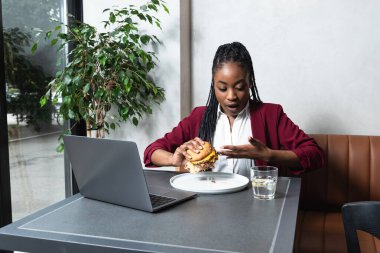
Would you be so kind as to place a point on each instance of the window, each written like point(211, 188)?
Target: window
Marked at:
point(36, 169)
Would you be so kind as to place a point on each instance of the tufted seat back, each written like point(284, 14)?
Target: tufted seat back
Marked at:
point(351, 173)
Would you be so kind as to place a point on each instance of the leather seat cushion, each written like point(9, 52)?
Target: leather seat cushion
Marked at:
point(324, 232)
point(320, 232)
point(368, 243)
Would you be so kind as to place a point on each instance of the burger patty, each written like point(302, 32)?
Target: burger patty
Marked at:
point(211, 158)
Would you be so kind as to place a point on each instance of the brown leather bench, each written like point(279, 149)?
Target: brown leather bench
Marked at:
point(351, 173)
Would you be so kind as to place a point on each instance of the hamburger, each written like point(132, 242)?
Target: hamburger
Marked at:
point(202, 161)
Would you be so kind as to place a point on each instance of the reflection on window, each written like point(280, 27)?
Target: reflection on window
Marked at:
point(37, 173)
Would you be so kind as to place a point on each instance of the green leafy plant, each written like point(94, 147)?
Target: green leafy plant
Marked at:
point(107, 69)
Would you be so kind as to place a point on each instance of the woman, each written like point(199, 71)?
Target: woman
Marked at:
point(244, 129)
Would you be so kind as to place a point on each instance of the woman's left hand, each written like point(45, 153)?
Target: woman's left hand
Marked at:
point(255, 150)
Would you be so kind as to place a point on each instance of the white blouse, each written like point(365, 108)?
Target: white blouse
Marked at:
point(239, 134)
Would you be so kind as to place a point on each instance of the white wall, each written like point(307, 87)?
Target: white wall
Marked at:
point(319, 59)
point(167, 75)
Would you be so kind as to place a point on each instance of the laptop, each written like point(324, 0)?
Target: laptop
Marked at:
point(111, 171)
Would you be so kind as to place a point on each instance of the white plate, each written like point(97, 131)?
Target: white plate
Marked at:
point(209, 182)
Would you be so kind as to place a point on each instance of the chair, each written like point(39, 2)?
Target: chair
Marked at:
point(363, 216)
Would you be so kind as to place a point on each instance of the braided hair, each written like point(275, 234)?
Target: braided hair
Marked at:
point(234, 52)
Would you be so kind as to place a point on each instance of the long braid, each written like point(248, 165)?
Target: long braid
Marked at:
point(208, 124)
point(231, 52)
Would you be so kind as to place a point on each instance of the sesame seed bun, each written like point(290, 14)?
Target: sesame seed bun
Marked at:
point(202, 161)
point(195, 157)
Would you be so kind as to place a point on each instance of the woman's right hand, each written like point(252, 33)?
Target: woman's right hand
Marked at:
point(181, 157)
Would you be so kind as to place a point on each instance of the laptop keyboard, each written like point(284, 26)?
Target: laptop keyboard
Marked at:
point(159, 200)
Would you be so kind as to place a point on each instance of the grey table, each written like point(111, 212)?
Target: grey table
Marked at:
point(234, 222)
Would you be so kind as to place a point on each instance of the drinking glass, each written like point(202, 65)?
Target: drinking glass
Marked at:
point(264, 181)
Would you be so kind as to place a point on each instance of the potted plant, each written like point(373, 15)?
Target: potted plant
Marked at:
point(107, 69)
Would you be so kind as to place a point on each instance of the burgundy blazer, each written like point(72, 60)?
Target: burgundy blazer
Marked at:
point(269, 124)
